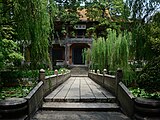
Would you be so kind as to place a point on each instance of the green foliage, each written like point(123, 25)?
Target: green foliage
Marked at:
point(62, 70)
point(139, 38)
point(153, 43)
point(112, 53)
point(98, 54)
point(8, 75)
point(137, 92)
point(19, 92)
point(149, 78)
point(96, 10)
point(51, 72)
point(86, 56)
point(9, 50)
point(67, 12)
point(10, 55)
point(33, 26)
point(118, 54)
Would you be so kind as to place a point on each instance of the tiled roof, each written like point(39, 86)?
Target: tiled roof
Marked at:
point(82, 14)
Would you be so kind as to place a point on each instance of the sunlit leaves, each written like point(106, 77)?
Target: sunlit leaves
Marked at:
point(112, 53)
point(9, 53)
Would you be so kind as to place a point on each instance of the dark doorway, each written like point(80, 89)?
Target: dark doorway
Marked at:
point(77, 56)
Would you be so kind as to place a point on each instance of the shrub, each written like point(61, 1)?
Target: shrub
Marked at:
point(149, 78)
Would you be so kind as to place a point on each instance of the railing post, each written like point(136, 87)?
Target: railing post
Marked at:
point(119, 76)
point(41, 75)
point(56, 73)
point(104, 73)
point(98, 71)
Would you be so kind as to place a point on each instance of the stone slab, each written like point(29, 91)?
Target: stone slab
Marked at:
point(80, 89)
point(50, 97)
point(78, 115)
point(81, 106)
point(63, 92)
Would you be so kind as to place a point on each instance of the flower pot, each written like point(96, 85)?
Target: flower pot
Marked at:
point(13, 108)
point(147, 109)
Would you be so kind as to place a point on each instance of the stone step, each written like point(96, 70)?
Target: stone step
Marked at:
point(65, 106)
point(79, 75)
point(78, 115)
point(79, 71)
point(76, 99)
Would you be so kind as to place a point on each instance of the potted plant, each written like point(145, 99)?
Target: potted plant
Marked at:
point(147, 103)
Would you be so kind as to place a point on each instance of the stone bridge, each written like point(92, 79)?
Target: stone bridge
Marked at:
point(80, 98)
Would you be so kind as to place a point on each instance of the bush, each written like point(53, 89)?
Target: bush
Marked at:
point(12, 78)
point(149, 78)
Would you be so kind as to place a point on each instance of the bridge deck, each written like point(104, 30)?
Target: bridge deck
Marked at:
point(80, 98)
point(80, 89)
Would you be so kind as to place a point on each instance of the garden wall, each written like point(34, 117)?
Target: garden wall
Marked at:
point(116, 87)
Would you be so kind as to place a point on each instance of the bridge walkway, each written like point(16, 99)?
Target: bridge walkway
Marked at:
point(80, 98)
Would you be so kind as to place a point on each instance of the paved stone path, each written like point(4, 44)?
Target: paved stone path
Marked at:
point(80, 89)
point(79, 115)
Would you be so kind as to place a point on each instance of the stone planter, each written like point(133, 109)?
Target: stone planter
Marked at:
point(147, 109)
point(13, 108)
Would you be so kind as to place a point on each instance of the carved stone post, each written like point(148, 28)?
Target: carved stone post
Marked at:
point(56, 72)
point(41, 75)
point(119, 76)
point(98, 71)
point(104, 73)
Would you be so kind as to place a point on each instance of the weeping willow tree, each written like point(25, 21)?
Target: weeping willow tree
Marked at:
point(112, 53)
point(98, 54)
point(118, 53)
point(86, 54)
point(10, 56)
point(33, 27)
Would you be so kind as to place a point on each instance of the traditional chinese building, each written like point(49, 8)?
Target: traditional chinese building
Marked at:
point(67, 48)
point(70, 40)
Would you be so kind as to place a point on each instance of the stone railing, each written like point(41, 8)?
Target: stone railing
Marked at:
point(115, 85)
point(24, 108)
point(53, 81)
point(44, 87)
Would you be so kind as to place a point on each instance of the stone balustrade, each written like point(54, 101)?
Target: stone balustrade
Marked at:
point(24, 108)
point(115, 85)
